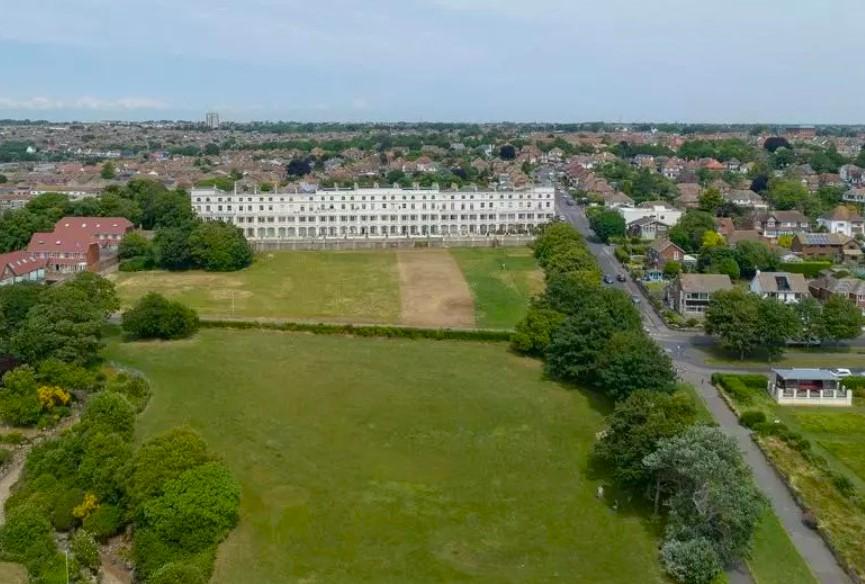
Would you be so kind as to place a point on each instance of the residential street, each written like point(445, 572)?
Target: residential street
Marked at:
point(692, 368)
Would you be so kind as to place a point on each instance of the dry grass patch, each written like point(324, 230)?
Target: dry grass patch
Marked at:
point(433, 291)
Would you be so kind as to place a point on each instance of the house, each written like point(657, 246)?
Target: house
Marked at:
point(19, 266)
point(689, 295)
point(852, 175)
point(672, 168)
point(662, 251)
point(809, 387)
point(616, 200)
point(107, 231)
point(75, 193)
point(777, 223)
point(648, 228)
point(783, 286)
point(65, 253)
point(831, 246)
point(745, 198)
point(843, 220)
point(850, 288)
point(689, 195)
point(739, 235)
point(657, 210)
point(854, 196)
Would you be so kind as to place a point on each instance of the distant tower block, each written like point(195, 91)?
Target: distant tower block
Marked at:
point(212, 120)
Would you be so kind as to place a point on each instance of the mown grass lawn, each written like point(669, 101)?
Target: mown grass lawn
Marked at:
point(829, 357)
point(356, 286)
point(502, 281)
point(774, 560)
point(374, 460)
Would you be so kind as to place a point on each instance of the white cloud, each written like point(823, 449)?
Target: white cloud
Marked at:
point(40, 103)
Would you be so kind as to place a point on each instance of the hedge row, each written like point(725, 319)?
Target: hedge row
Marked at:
point(498, 336)
point(808, 269)
point(741, 388)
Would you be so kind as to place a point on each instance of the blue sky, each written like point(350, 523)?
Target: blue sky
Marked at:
point(786, 61)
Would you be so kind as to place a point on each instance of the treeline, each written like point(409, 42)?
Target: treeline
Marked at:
point(92, 482)
point(747, 325)
point(653, 446)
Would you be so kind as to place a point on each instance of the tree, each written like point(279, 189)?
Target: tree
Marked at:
point(754, 255)
point(134, 245)
point(109, 413)
point(634, 429)
point(733, 317)
point(19, 401)
point(630, 361)
point(711, 200)
point(708, 490)
point(778, 324)
point(171, 248)
point(786, 194)
point(809, 314)
point(688, 232)
point(108, 171)
point(607, 223)
point(100, 291)
point(219, 247)
point(65, 324)
point(507, 152)
point(155, 317)
point(712, 238)
point(842, 319)
point(298, 167)
point(773, 143)
point(672, 269)
point(532, 334)
point(196, 510)
point(164, 458)
point(16, 300)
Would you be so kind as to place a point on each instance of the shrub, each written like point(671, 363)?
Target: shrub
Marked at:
point(104, 522)
point(14, 438)
point(25, 538)
point(844, 485)
point(62, 516)
point(752, 419)
point(155, 317)
point(19, 402)
point(83, 545)
point(133, 387)
point(691, 562)
point(136, 265)
point(808, 269)
point(177, 573)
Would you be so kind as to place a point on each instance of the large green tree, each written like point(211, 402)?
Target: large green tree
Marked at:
point(630, 361)
point(688, 232)
point(155, 317)
point(219, 247)
point(842, 319)
point(733, 317)
point(607, 223)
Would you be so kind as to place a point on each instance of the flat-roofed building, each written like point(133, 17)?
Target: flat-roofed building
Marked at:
point(340, 213)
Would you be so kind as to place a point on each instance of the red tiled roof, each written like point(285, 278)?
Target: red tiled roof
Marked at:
point(69, 242)
point(93, 225)
point(20, 263)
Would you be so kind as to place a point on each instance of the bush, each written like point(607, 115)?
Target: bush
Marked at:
point(62, 516)
point(155, 317)
point(752, 419)
point(742, 388)
point(109, 412)
point(177, 573)
point(19, 402)
point(83, 545)
point(14, 438)
point(104, 522)
point(134, 388)
point(26, 538)
point(691, 562)
point(139, 264)
point(808, 269)
point(844, 485)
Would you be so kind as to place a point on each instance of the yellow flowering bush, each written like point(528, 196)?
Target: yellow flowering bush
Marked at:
point(86, 507)
point(51, 395)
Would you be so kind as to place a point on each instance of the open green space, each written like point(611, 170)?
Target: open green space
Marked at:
point(338, 286)
point(375, 460)
point(502, 280)
point(773, 559)
point(822, 357)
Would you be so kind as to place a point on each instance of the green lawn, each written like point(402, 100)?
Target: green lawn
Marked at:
point(840, 432)
point(502, 281)
point(774, 560)
point(374, 460)
point(338, 286)
point(824, 357)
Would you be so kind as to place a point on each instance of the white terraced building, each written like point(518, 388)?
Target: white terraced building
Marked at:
point(377, 212)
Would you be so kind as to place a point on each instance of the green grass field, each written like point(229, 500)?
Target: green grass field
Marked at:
point(502, 281)
point(374, 460)
point(355, 286)
point(839, 432)
point(774, 560)
point(823, 357)
point(336, 286)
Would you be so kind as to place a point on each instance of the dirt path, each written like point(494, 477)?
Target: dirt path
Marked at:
point(11, 475)
point(433, 291)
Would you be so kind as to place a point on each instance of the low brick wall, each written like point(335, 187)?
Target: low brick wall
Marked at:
point(390, 243)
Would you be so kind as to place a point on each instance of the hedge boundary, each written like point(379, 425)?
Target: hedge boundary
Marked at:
point(384, 331)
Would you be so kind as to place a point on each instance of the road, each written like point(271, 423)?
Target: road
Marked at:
point(690, 363)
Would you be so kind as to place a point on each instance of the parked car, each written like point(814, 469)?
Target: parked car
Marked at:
point(608, 279)
point(842, 372)
point(621, 278)
point(635, 299)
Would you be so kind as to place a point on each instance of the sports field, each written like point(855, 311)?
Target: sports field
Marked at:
point(464, 288)
point(376, 460)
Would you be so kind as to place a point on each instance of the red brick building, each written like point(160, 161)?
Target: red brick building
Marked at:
point(65, 253)
point(107, 231)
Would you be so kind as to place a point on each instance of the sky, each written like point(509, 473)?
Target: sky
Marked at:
point(768, 61)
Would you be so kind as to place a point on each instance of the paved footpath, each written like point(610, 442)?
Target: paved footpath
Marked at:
point(692, 368)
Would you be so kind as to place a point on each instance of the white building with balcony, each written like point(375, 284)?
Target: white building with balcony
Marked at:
point(809, 387)
point(391, 212)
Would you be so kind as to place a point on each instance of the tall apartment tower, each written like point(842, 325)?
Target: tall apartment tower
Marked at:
point(212, 120)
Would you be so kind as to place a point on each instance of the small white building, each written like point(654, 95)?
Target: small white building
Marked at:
point(843, 220)
point(657, 210)
point(809, 387)
point(782, 286)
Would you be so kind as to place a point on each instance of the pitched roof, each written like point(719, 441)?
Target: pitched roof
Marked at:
point(743, 235)
point(842, 213)
point(822, 238)
point(806, 374)
point(843, 286)
point(20, 263)
point(705, 282)
point(73, 242)
point(93, 225)
point(782, 282)
point(660, 245)
point(789, 216)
